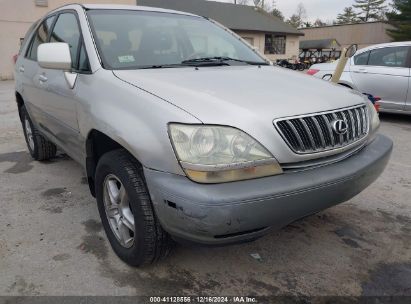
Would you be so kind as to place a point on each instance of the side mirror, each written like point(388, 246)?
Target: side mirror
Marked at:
point(327, 77)
point(351, 51)
point(55, 55)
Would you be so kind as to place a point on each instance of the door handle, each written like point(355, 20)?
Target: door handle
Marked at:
point(363, 70)
point(43, 78)
point(21, 69)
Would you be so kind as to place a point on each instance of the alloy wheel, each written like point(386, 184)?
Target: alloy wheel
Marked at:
point(29, 133)
point(118, 211)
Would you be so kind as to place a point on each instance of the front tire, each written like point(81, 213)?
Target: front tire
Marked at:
point(126, 211)
point(39, 147)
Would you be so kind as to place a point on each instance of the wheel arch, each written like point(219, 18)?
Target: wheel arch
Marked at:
point(346, 85)
point(20, 102)
point(97, 144)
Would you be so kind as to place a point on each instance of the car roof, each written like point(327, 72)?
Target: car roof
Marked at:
point(381, 45)
point(124, 7)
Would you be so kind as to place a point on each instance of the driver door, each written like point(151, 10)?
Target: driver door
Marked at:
point(59, 102)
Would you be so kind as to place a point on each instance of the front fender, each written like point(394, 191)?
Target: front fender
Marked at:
point(134, 118)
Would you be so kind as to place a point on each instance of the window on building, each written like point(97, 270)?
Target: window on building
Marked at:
point(250, 40)
point(275, 44)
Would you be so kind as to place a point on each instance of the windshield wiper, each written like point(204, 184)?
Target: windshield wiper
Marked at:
point(161, 66)
point(205, 61)
point(219, 60)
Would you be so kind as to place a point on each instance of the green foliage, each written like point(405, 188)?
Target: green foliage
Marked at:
point(400, 18)
point(295, 21)
point(307, 24)
point(319, 22)
point(277, 13)
point(371, 9)
point(347, 16)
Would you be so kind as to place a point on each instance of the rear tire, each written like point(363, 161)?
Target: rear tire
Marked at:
point(39, 147)
point(121, 191)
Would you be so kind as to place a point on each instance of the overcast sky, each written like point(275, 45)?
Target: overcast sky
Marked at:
point(323, 9)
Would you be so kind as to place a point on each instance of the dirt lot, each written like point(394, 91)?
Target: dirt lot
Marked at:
point(52, 243)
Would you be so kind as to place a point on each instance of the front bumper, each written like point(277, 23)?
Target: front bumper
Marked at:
point(244, 210)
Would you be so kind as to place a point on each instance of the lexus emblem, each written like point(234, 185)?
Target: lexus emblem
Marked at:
point(339, 126)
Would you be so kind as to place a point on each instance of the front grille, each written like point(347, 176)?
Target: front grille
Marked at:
point(315, 132)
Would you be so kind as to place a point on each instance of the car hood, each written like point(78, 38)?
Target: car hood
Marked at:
point(227, 94)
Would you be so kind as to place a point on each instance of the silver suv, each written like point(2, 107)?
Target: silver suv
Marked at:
point(185, 132)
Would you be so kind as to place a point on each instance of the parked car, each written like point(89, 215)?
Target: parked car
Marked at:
point(381, 70)
point(184, 131)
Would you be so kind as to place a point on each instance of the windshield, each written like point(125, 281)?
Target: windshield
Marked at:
point(128, 39)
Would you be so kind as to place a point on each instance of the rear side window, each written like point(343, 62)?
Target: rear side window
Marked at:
point(26, 37)
point(361, 59)
point(40, 37)
point(67, 30)
point(389, 57)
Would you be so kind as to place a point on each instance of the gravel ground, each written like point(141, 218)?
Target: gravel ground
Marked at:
point(52, 243)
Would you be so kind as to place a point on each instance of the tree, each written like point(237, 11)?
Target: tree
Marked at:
point(400, 18)
point(268, 6)
point(297, 19)
point(277, 13)
point(265, 5)
point(259, 3)
point(301, 11)
point(347, 16)
point(319, 22)
point(307, 24)
point(370, 9)
point(242, 2)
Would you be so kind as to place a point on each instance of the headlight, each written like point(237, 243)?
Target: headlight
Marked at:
point(214, 154)
point(374, 119)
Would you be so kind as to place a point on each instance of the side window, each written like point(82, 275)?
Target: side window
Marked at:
point(83, 64)
point(66, 30)
point(361, 59)
point(40, 37)
point(389, 57)
point(26, 37)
